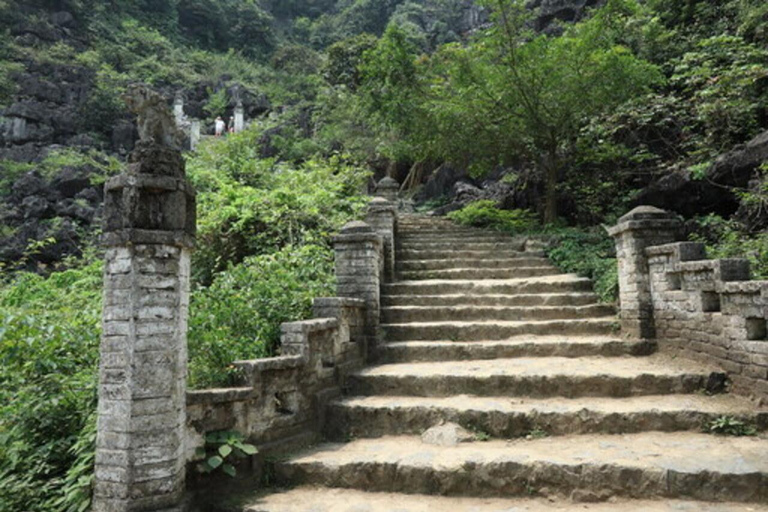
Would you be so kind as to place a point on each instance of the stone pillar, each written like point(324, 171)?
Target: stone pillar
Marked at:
point(178, 110)
point(149, 229)
point(194, 134)
point(239, 117)
point(388, 188)
point(643, 227)
point(382, 217)
point(358, 252)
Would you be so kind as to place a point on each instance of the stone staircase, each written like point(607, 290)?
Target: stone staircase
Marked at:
point(482, 331)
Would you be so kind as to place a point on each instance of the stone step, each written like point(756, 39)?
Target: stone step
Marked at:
point(318, 499)
point(527, 346)
point(503, 417)
point(591, 467)
point(496, 330)
point(534, 377)
point(406, 314)
point(442, 254)
point(540, 299)
point(498, 247)
point(457, 238)
point(562, 283)
point(453, 263)
point(479, 273)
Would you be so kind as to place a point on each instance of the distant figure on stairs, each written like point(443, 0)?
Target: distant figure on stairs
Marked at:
point(220, 126)
point(231, 125)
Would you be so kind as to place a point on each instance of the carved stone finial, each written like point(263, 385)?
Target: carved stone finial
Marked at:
point(155, 122)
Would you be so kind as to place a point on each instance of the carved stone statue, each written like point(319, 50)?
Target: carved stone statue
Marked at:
point(155, 122)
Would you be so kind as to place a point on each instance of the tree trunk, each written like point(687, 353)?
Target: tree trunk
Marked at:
point(551, 175)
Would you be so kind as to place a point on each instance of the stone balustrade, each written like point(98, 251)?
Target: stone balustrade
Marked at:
point(708, 310)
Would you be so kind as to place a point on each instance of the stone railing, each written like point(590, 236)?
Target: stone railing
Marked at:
point(708, 310)
point(149, 425)
point(282, 402)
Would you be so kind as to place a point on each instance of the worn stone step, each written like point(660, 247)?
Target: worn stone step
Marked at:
point(504, 417)
point(458, 239)
point(319, 499)
point(524, 346)
point(496, 330)
point(592, 467)
point(534, 377)
point(476, 263)
point(406, 314)
point(562, 283)
point(535, 299)
point(498, 247)
point(479, 273)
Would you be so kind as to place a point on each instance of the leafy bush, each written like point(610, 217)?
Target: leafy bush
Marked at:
point(239, 315)
point(727, 239)
point(485, 214)
point(729, 426)
point(589, 254)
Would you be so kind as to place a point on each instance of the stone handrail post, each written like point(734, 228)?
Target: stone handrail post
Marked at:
point(149, 233)
point(382, 217)
point(388, 188)
point(643, 227)
point(358, 250)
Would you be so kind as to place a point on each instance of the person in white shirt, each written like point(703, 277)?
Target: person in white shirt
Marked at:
point(220, 126)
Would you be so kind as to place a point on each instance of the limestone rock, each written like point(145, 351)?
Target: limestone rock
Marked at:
point(447, 434)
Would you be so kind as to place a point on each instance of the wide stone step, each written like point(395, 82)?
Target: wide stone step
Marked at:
point(406, 314)
point(534, 377)
point(534, 299)
point(318, 499)
point(495, 330)
point(499, 247)
point(562, 283)
point(502, 417)
point(592, 467)
point(526, 346)
point(458, 238)
point(453, 263)
point(403, 255)
point(479, 273)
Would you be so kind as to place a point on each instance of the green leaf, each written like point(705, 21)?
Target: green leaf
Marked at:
point(225, 450)
point(200, 453)
point(229, 469)
point(249, 449)
point(214, 461)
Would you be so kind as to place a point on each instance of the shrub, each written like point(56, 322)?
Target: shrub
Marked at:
point(588, 254)
point(485, 214)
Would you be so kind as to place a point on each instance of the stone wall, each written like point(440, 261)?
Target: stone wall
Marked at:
point(708, 310)
point(283, 398)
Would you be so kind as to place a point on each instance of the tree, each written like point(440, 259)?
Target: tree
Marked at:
point(519, 94)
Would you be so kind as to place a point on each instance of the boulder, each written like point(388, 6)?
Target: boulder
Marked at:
point(447, 434)
point(681, 193)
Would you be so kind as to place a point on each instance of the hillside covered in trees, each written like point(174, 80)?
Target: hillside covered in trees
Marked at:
point(523, 116)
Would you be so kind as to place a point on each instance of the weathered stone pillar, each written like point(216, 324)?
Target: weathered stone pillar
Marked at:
point(178, 109)
point(388, 188)
point(382, 217)
point(194, 134)
point(239, 117)
point(643, 227)
point(149, 231)
point(358, 252)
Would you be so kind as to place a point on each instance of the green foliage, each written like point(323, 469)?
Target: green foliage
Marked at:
point(588, 254)
point(248, 206)
point(239, 315)
point(217, 103)
point(8, 85)
point(729, 426)
point(536, 433)
point(728, 239)
point(221, 447)
point(485, 214)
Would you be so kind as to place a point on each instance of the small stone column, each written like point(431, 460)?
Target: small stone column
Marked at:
point(239, 117)
point(178, 110)
point(194, 134)
point(388, 188)
point(382, 216)
point(643, 227)
point(358, 252)
point(149, 229)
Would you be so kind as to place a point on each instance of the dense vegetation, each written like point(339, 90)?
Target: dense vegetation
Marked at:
point(578, 119)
